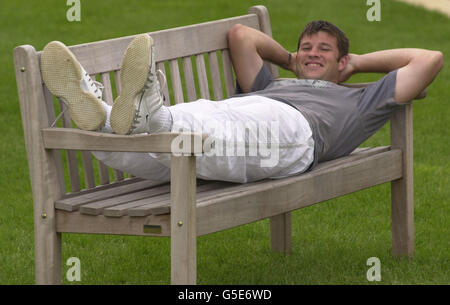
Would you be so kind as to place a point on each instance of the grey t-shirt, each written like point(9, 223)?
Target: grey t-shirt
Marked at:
point(340, 118)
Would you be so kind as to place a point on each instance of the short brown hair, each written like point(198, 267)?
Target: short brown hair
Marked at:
point(321, 25)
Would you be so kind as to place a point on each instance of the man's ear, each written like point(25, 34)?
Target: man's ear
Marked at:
point(343, 63)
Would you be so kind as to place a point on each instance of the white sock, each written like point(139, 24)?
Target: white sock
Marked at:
point(160, 121)
point(107, 127)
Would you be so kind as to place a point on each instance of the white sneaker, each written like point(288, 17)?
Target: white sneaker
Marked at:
point(66, 79)
point(141, 94)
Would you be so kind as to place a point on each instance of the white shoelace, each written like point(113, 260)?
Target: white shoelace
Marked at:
point(66, 107)
point(98, 85)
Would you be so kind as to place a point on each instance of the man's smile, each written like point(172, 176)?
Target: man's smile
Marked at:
point(313, 64)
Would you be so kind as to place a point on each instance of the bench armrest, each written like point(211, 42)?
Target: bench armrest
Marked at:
point(76, 139)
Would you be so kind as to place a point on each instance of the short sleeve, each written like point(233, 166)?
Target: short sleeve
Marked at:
point(262, 80)
point(377, 103)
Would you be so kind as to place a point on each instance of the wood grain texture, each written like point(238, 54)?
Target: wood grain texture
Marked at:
point(402, 190)
point(43, 168)
point(183, 221)
point(256, 202)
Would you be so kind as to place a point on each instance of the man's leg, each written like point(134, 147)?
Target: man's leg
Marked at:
point(143, 165)
point(140, 102)
point(67, 79)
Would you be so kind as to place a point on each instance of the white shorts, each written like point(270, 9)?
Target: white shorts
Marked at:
point(253, 138)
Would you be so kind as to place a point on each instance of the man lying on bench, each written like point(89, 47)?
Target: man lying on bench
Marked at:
point(303, 121)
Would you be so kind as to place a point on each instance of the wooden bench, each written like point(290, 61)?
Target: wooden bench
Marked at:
point(112, 202)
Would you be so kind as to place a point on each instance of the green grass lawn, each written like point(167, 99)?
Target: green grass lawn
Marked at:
point(331, 241)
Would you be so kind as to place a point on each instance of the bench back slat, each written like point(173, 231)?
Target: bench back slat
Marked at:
point(117, 81)
point(176, 81)
point(107, 90)
point(189, 79)
point(88, 169)
point(228, 72)
point(215, 75)
point(202, 77)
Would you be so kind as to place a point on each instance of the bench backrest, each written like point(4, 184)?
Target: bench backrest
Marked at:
point(194, 58)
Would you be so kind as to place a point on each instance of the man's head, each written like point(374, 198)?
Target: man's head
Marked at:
point(322, 51)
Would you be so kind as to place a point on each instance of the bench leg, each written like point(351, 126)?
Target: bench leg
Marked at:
point(47, 246)
point(402, 192)
point(281, 233)
point(183, 221)
point(48, 261)
point(47, 249)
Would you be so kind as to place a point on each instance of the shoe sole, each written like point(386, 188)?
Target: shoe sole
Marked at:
point(133, 76)
point(62, 75)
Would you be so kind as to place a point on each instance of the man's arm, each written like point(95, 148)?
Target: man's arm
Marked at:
point(416, 69)
point(248, 49)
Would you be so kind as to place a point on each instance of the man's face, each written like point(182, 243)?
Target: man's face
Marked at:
point(317, 58)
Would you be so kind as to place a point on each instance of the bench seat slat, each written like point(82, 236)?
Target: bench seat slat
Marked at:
point(73, 203)
point(357, 154)
point(164, 205)
point(122, 209)
point(97, 207)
